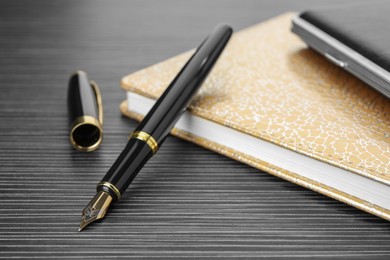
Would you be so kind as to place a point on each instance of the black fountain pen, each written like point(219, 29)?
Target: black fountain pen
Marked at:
point(152, 131)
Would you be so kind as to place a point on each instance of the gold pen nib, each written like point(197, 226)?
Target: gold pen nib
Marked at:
point(96, 209)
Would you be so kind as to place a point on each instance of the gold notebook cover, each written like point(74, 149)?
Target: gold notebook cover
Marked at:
point(268, 84)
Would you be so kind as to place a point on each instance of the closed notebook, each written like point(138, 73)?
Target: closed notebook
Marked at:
point(272, 103)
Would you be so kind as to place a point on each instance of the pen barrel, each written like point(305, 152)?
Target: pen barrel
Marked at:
point(173, 102)
point(160, 120)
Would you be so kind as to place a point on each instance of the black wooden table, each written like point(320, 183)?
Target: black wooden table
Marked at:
point(187, 202)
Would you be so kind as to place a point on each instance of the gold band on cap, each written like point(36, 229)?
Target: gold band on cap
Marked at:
point(111, 187)
point(147, 138)
point(82, 121)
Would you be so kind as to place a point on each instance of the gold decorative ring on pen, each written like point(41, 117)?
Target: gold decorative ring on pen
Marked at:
point(147, 138)
point(86, 126)
point(111, 187)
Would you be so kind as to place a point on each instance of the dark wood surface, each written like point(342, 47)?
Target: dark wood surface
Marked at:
point(187, 202)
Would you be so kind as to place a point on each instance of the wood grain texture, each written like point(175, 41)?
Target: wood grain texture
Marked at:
point(187, 202)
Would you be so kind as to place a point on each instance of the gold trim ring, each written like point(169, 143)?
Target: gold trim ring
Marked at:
point(81, 143)
point(147, 138)
point(111, 187)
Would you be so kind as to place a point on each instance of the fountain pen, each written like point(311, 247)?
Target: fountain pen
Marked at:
point(154, 128)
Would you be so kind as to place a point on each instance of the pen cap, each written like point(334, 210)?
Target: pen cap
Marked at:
point(85, 113)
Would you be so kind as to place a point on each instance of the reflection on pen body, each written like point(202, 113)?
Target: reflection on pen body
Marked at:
point(155, 127)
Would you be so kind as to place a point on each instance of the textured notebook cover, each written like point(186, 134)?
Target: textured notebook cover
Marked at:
point(268, 84)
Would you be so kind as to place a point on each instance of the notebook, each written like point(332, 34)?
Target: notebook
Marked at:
point(273, 103)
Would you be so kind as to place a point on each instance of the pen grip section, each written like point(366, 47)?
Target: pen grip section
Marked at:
point(125, 168)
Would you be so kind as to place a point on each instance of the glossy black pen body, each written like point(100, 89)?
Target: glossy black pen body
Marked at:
point(157, 124)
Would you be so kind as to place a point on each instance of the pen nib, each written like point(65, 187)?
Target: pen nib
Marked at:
point(96, 209)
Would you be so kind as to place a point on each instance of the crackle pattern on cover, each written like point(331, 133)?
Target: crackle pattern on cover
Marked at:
point(267, 83)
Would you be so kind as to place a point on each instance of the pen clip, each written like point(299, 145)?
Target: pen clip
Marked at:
point(98, 100)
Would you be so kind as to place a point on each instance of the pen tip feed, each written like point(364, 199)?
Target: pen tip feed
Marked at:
point(96, 209)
